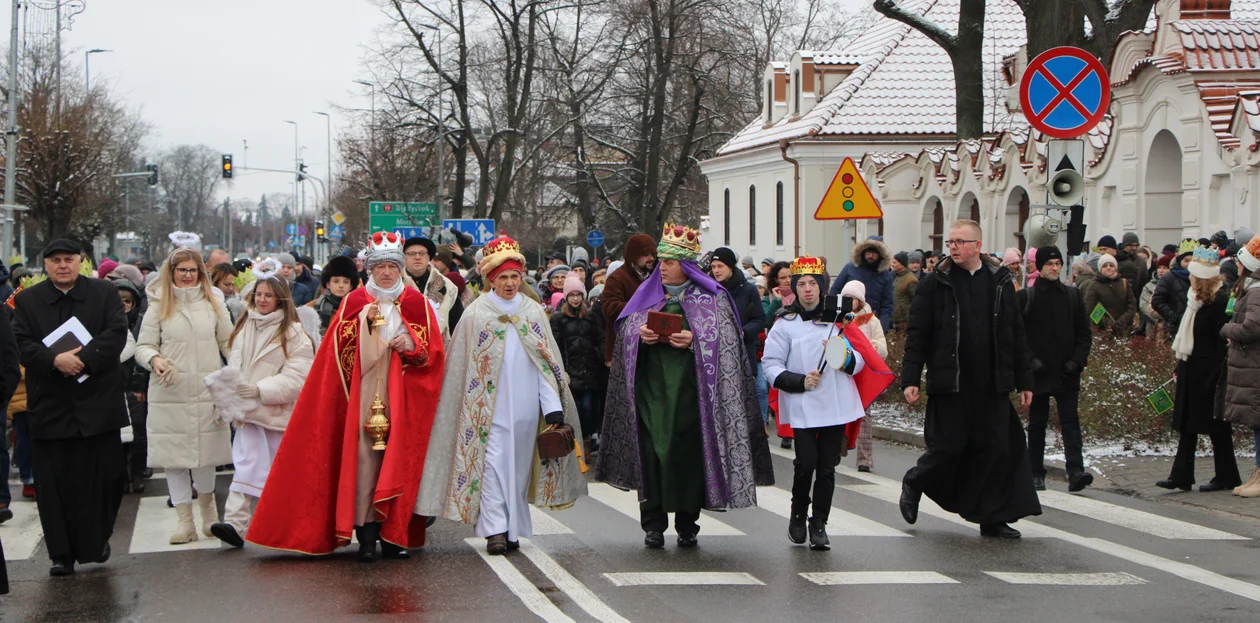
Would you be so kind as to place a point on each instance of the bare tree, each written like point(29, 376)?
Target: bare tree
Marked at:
point(190, 175)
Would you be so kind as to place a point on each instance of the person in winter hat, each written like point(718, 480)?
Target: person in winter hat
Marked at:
point(1170, 296)
point(905, 283)
point(1201, 354)
point(1014, 263)
point(338, 279)
point(1243, 378)
point(1059, 337)
point(865, 319)
point(624, 278)
point(107, 266)
point(1116, 295)
point(580, 336)
point(744, 295)
point(870, 265)
point(1148, 292)
point(289, 272)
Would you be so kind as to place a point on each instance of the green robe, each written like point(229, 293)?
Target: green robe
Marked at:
point(668, 405)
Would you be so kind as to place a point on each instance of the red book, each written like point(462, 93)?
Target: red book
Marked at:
point(664, 324)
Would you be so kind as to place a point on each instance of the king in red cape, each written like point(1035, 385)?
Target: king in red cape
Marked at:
point(382, 350)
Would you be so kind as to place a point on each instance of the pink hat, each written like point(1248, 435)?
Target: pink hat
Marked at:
point(556, 299)
point(107, 266)
point(1010, 257)
point(855, 289)
point(573, 283)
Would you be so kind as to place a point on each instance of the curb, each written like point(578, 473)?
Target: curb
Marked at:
point(882, 433)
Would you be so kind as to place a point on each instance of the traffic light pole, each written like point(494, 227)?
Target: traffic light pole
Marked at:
point(11, 136)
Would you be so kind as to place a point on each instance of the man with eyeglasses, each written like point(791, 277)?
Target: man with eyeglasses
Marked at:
point(966, 327)
point(435, 286)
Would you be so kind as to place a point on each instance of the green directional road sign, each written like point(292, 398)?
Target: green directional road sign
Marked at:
point(393, 215)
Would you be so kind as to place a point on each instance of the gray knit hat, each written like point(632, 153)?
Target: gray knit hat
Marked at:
point(286, 259)
point(384, 247)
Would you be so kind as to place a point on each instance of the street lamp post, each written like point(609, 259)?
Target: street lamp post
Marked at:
point(297, 162)
point(327, 191)
point(87, 66)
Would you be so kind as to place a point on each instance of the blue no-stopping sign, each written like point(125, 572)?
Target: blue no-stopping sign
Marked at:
point(1065, 92)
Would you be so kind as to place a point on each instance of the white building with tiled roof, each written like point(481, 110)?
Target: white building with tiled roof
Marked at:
point(1177, 157)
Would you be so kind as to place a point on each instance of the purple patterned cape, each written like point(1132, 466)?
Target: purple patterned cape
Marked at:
point(736, 450)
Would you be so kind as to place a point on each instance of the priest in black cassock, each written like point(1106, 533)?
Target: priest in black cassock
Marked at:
point(966, 326)
point(76, 450)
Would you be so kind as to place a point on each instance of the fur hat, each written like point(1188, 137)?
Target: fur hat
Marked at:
point(638, 246)
point(859, 249)
point(340, 266)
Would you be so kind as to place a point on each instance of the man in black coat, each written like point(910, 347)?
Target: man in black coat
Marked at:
point(966, 326)
point(1059, 338)
point(725, 270)
point(75, 405)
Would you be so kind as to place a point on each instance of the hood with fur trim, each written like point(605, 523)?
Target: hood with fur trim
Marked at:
point(885, 259)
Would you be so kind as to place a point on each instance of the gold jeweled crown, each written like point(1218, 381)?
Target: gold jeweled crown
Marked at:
point(808, 266)
point(678, 242)
point(500, 245)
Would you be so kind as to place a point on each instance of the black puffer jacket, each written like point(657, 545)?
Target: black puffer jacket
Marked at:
point(581, 342)
point(1170, 298)
point(932, 334)
point(752, 316)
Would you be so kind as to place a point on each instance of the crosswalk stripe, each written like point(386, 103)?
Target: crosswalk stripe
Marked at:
point(627, 503)
point(841, 522)
point(890, 490)
point(1068, 579)
point(154, 523)
point(850, 578)
point(576, 590)
point(545, 524)
point(1133, 519)
point(684, 578)
point(889, 493)
point(530, 595)
point(22, 534)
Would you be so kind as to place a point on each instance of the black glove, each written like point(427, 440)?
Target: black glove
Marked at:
point(554, 418)
point(1071, 368)
point(790, 382)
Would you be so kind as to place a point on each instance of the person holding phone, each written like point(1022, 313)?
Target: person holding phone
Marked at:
point(817, 401)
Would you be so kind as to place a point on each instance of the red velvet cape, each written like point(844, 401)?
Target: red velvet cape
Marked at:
point(874, 378)
point(307, 504)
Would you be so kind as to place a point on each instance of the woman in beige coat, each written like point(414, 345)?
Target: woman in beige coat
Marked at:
point(184, 334)
point(274, 355)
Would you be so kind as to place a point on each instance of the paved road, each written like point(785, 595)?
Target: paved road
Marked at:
point(1108, 558)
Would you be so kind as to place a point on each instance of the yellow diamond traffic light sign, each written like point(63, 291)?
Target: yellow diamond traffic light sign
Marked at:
point(848, 197)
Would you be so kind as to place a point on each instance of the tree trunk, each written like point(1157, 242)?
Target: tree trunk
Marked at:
point(968, 65)
point(1053, 23)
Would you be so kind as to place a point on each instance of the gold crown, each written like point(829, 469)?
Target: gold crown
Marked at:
point(1188, 245)
point(678, 242)
point(808, 266)
point(500, 245)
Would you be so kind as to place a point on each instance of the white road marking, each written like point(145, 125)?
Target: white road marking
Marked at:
point(684, 578)
point(577, 591)
point(22, 534)
point(927, 507)
point(154, 524)
point(1133, 519)
point(889, 490)
point(516, 582)
point(849, 578)
point(841, 522)
point(545, 524)
point(627, 503)
point(1068, 579)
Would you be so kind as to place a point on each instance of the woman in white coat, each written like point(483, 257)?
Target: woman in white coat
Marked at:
point(274, 355)
point(182, 339)
point(874, 332)
point(816, 403)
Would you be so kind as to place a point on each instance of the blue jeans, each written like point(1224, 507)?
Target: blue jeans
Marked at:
point(589, 415)
point(763, 395)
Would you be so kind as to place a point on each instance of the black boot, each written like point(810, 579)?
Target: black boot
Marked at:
point(909, 503)
point(1039, 482)
point(367, 535)
point(818, 540)
point(998, 530)
point(796, 528)
point(226, 533)
point(1077, 481)
point(62, 568)
point(654, 539)
point(786, 443)
point(389, 550)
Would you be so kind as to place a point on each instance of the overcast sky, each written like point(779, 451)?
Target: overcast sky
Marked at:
point(216, 72)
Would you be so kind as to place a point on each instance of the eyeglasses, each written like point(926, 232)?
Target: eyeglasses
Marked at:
point(187, 271)
point(958, 243)
point(417, 254)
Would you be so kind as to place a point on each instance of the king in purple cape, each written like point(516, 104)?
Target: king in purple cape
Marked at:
point(681, 424)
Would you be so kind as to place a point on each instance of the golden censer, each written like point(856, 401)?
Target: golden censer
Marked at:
point(377, 426)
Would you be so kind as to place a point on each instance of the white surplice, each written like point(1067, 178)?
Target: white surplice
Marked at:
point(796, 345)
point(522, 396)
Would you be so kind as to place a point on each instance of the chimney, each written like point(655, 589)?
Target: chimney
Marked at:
point(1204, 9)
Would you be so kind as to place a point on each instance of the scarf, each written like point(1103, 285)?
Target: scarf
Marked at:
point(387, 299)
point(1183, 344)
point(259, 332)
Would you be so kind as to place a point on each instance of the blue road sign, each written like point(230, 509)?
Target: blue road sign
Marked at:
point(291, 229)
point(271, 244)
point(336, 232)
point(481, 230)
point(412, 232)
point(1065, 92)
point(302, 231)
point(595, 238)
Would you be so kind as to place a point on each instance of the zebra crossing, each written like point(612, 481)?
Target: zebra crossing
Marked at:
point(864, 514)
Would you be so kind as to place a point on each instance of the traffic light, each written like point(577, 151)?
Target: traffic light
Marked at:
point(227, 166)
point(301, 176)
point(320, 232)
point(153, 174)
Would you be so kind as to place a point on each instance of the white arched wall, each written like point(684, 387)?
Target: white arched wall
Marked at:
point(1162, 194)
